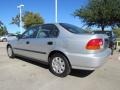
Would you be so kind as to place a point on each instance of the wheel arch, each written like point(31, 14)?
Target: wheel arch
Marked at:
point(8, 45)
point(57, 51)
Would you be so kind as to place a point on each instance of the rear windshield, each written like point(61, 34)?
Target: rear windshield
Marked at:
point(73, 29)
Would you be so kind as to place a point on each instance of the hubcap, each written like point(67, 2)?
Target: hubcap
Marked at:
point(9, 51)
point(58, 65)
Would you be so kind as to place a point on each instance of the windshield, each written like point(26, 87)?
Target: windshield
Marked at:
point(72, 28)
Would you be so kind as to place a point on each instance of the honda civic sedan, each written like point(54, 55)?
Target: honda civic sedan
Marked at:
point(62, 46)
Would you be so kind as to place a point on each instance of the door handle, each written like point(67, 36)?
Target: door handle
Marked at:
point(50, 43)
point(27, 42)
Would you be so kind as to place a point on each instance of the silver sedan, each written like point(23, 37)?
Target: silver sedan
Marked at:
point(62, 46)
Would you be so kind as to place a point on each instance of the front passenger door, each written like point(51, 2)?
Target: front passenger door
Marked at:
point(23, 45)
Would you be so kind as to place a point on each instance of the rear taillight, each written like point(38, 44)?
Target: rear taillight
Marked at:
point(94, 44)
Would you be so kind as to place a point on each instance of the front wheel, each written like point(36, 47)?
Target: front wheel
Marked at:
point(10, 52)
point(59, 65)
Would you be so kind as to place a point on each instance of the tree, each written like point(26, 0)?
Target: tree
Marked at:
point(29, 19)
point(3, 29)
point(88, 30)
point(117, 32)
point(101, 13)
point(16, 20)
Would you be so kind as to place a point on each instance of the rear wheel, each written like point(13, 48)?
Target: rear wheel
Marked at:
point(59, 65)
point(10, 52)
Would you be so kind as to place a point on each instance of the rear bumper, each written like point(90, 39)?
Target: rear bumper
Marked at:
point(88, 61)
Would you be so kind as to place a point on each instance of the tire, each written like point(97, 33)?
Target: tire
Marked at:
point(4, 40)
point(119, 50)
point(59, 65)
point(112, 51)
point(114, 47)
point(10, 52)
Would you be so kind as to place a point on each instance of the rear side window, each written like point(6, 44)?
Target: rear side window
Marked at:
point(43, 33)
point(73, 29)
point(52, 30)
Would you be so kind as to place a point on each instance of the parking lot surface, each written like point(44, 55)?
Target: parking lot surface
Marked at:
point(23, 74)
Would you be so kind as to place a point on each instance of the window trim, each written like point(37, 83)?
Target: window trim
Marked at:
point(40, 27)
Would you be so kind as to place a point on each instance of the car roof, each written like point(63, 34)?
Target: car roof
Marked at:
point(43, 24)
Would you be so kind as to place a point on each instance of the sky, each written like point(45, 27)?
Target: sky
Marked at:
point(46, 8)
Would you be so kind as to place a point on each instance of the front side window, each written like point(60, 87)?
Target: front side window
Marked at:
point(73, 29)
point(31, 33)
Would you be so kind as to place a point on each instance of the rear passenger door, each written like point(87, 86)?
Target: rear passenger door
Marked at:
point(46, 39)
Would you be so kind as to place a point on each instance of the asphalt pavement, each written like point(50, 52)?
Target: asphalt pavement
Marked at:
point(24, 74)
